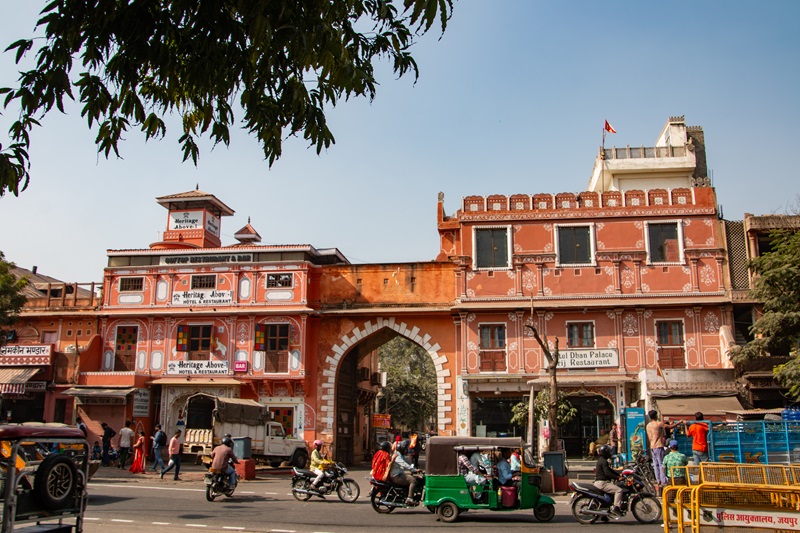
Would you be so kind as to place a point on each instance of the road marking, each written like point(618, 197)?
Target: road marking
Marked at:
point(160, 523)
point(236, 528)
point(121, 520)
point(273, 493)
point(283, 530)
point(136, 486)
point(87, 518)
point(247, 492)
point(195, 525)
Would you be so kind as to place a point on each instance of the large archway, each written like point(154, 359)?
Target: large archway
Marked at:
point(339, 391)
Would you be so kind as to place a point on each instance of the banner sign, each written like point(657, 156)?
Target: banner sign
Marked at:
point(25, 354)
point(199, 259)
point(179, 220)
point(197, 367)
point(761, 518)
point(381, 421)
point(588, 358)
point(36, 386)
point(203, 297)
point(240, 366)
point(141, 403)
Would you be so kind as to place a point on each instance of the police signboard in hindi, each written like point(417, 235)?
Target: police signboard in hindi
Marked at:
point(588, 358)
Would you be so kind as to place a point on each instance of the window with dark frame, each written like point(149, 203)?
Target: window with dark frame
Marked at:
point(198, 343)
point(279, 280)
point(574, 245)
point(131, 284)
point(580, 335)
point(491, 248)
point(273, 339)
point(492, 347)
point(663, 241)
point(204, 282)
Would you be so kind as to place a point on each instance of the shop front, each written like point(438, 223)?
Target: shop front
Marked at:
point(24, 373)
point(96, 405)
point(172, 393)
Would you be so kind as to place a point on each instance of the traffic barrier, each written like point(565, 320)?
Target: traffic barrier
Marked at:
point(733, 495)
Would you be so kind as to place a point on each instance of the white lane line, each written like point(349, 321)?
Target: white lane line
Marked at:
point(272, 493)
point(160, 523)
point(121, 520)
point(135, 486)
point(235, 528)
point(87, 518)
point(283, 530)
point(195, 525)
point(247, 492)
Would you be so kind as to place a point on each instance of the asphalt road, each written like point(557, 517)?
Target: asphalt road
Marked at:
point(147, 503)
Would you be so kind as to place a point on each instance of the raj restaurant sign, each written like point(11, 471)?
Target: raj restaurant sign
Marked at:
point(590, 358)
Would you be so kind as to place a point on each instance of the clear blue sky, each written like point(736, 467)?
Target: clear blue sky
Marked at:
point(511, 100)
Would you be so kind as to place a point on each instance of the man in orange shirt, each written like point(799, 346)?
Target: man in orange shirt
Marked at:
point(699, 433)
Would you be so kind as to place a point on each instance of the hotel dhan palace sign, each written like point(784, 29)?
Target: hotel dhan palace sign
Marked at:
point(197, 367)
point(588, 358)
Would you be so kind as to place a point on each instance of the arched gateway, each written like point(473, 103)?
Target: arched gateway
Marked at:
point(357, 343)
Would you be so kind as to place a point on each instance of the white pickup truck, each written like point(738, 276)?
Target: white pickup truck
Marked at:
point(209, 418)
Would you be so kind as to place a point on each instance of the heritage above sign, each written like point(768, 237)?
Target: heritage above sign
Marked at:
point(203, 297)
point(588, 358)
point(197, 367)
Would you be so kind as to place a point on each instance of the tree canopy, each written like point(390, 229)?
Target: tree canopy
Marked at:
point(282, 62)
point(410, 392)
point(11, 298)
point(777, 286)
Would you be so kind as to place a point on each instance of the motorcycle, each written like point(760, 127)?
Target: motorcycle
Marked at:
point(217, 484)
point(333, 481)
point(385, 496)
point(590, 504)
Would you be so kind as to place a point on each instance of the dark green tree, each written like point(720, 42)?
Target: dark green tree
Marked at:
point(11, 297)
point(777, 287)
point(134, 62)
point(410, 392)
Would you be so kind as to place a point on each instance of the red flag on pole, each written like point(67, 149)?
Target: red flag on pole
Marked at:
point(608, 128)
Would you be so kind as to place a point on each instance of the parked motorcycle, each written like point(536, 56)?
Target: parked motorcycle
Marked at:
point(385, 496)
point(217, 484)
point(590, 504)
point(334, 481)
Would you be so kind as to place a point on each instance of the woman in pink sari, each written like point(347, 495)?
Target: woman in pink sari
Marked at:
point(139, 465)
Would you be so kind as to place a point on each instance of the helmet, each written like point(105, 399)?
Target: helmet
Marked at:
point(385, 446)
point(402, 446)
point(605, 451)
point(227, 441)
point(318, 443)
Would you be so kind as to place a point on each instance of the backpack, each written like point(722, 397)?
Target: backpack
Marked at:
point(161, 438)
point(381, 462)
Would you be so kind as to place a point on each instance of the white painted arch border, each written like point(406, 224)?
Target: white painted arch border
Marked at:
point(414, 334)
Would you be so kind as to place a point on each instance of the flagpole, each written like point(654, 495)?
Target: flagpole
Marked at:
point(603, 159)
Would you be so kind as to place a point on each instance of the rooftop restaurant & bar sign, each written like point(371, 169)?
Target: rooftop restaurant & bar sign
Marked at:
point(588, 358)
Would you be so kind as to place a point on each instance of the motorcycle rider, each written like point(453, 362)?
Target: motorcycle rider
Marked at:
point(398, 473)
point(316, 465)
point(605, 479)
point(221, 458)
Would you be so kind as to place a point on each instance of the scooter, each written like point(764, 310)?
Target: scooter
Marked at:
point(590, 504)
point(385, 496)
point(333, 481)
point(217, 484)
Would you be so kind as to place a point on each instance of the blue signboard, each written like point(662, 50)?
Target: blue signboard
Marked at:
point(635, 436)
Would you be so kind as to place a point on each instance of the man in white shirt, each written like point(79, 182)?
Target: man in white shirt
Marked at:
point(126, 436)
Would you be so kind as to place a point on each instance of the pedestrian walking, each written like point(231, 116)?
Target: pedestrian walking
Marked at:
point(126, 439)
point(139, 465)
point(698, 430)
point(159, 441)
point(106, 437)
point(174, 456)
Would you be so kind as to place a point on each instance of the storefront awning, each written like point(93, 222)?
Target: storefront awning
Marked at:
point(578, 381)
point(192, 382)
point(13, 380)
point(98, 393)
point(688, 405)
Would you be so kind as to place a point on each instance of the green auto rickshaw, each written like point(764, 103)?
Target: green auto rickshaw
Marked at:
point(448, 493)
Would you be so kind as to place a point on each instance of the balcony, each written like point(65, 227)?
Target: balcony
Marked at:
point(63, 297)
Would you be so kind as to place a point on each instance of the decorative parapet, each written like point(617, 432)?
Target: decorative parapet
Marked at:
point(587, 200)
